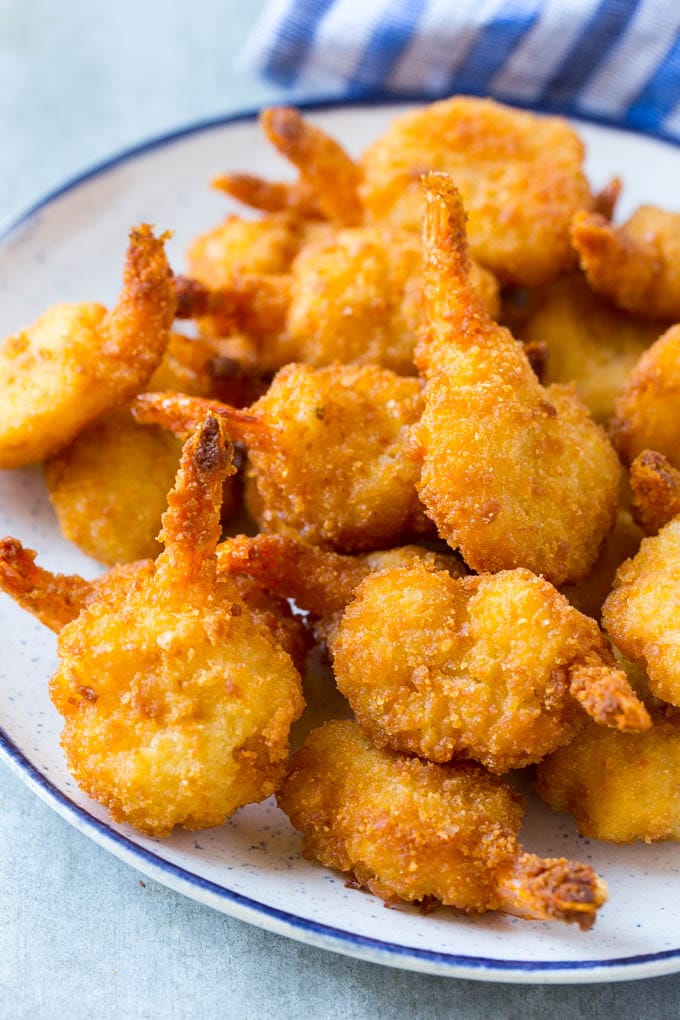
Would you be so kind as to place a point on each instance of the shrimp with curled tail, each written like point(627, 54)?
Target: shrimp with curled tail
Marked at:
point(177, 702)
point(412, 831)
point(328, 453)
point(79, 360)
point(513, 474)
point(498, 668)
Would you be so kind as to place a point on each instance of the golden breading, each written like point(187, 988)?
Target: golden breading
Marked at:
point(358, 298)
point(355, 296)
point(520, 177)
point(513, 474)
point(619, 786)
point(319, 581)
point(57, 599)
point(641, 614)
point(656, 491)
point(646, 411)
point(588, 594)
point(637, 265)
point(222, 367)
point(110, 486)
point(588, 342)
point(177, 703)
point(78, 361)
point(334, 467)
point(411, 830)
point(491, 668)
point(238, 247)
point(328, 453)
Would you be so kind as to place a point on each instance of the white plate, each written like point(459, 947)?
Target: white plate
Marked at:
point(69, 248)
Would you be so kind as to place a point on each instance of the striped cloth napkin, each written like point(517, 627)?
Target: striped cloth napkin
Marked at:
point(613, 60)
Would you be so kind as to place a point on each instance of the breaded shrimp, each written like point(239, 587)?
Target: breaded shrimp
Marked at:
point(410, 830)
point(646, 411)
point(656, 491)
point(57, 599)
point(513, 474)
point(319, 581)
point(78, 361)
point(109, 487)
point(520, 176)
point(492, 668)
point(240, 247)
point(637, 265)
point(355, 296)
point(177, 704)
point(329, 178)
point(588, 594)
point(328, 453)
point(641, 613)
point(588, 342)
point(618, 786)
point(222, 368)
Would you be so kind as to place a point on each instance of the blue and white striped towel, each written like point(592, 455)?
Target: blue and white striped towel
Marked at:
point(618, 60)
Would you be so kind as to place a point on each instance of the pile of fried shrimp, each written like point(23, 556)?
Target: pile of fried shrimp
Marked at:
point(440, 382)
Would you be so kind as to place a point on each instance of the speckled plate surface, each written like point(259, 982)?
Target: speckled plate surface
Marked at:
point(71, 248)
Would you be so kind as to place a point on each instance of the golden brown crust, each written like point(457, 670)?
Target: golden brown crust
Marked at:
point(513, 474)
point(480, 667)
point(619, 786)
point(177, 699)
point(109, 487)
point(78, 361)
point(641, 612)
point(412, 830)
point(588, 342)
point(520, 177)
point(646, 411)
point(656, 491)
point(353, 295)
point(637, 265)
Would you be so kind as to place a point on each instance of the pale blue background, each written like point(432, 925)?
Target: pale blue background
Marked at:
point(80, 935)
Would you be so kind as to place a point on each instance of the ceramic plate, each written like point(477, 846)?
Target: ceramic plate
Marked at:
point(70, 248)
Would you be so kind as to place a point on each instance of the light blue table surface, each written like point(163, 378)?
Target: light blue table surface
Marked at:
point(81, 935)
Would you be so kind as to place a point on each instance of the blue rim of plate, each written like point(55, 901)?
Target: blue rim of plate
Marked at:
point(218, 896)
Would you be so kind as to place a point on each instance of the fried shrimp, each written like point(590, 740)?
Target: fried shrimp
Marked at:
point(109, 487)
point(353, 297)
point(656, 491)
point(492, 668)
point(520, 177)
point(588, 342)
point(410, 830)
point(329, 178)
point(177, 703)
point(328, 453)
point(646, 412)
point(78, 361)
point(237, 248)
point(623, 541)
point(637, 265)
point(619, 786)
point(320, 581)
point(57, 599)
point(641, 613)
point(513, 474)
